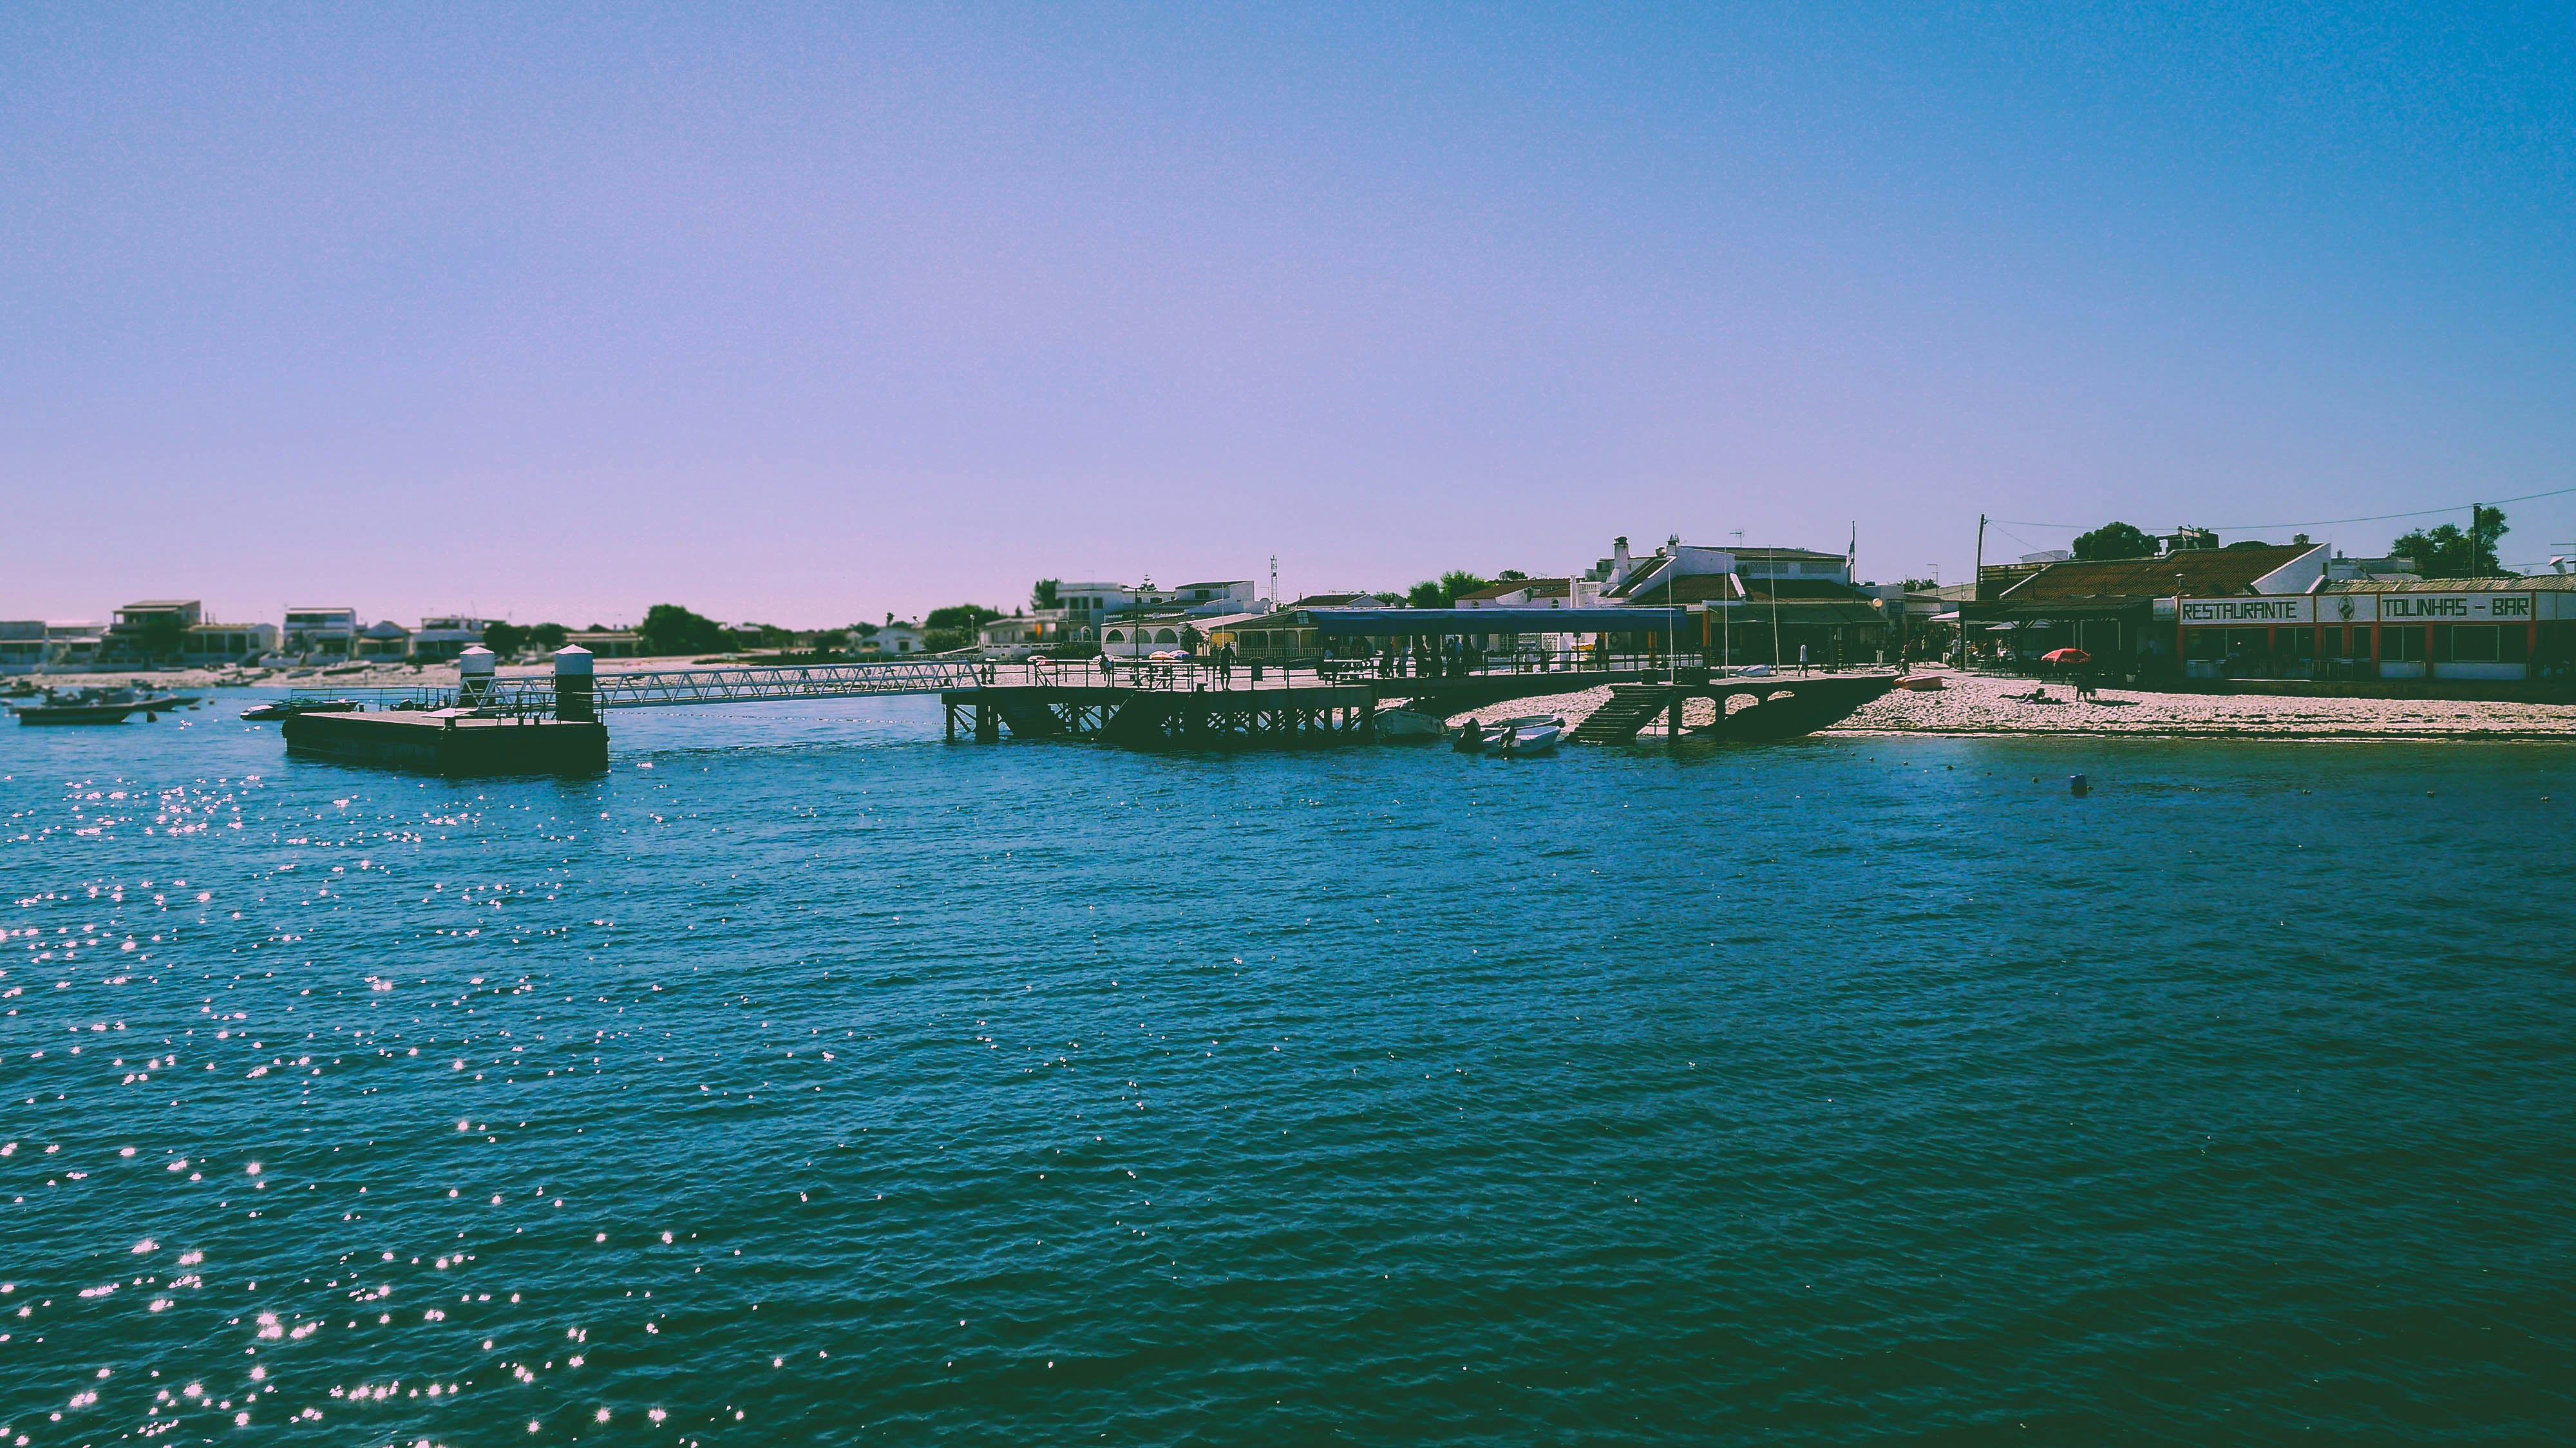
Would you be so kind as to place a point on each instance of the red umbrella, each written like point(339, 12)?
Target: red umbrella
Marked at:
point(2066, 656)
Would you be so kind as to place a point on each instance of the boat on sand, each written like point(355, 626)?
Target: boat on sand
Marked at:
point(1406, 725)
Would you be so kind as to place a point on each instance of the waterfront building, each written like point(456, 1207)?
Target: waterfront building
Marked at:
point(1346, 600)
point(324, 632)
point(1760, 605)
point(2494, 629)
point(1211, 599)
point(1801, 563)
point(1571, 592)
point(1612, 571)
point(447, 635)
point(1287, 636)
point(893, 637)
point(22, 645)
point(1017, 636)
point(1142, 634)
point(383, 639)
point(2109, 608)
point(151, 631)
point(607, 643)
point(1932, 619)
point(1087, 613)
point(2394, 569)
point(73, 644)
point(208, 642)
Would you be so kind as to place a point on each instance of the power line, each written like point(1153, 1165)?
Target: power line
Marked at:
point(2324, 522)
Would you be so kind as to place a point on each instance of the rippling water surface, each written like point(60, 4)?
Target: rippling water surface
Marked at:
point(805, 1079)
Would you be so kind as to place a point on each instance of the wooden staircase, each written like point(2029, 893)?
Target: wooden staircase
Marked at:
point(1631, 708)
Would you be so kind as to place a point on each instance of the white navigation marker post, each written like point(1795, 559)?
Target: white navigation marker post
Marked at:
point(574, 702)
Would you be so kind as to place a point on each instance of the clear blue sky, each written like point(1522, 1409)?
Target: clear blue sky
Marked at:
point(809, 314)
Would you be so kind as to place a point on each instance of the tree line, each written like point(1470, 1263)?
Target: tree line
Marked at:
point(2446, 551)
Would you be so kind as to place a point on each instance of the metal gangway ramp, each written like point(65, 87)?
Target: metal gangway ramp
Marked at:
point(746, 684)
point(537, 694)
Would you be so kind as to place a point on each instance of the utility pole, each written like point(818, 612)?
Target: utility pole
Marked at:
point(1774, 576)
point(1976, 577)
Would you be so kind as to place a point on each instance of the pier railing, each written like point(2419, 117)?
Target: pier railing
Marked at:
point(535, 694)
point(652, 688)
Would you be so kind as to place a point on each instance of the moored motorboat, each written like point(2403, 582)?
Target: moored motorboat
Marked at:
point(1407, 725)
point(78, 713)
point(1470, 738)
point(1528, 734)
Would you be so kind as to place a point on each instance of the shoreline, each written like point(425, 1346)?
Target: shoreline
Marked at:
point(2270, 736)
point(1972, 706)
point(1968, 706)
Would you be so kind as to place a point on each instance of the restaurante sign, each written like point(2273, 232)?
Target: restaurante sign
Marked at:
point(2480, 607)
point(2248, 610)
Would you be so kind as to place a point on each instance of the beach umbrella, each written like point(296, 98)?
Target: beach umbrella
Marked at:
point(2066, 656)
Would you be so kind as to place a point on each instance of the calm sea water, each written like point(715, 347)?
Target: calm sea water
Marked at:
point(805, 1079)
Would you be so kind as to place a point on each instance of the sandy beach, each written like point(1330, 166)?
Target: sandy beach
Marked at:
point(1975, 704)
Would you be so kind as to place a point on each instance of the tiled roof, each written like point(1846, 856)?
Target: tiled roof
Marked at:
point(1535, 587)
point(2555, 581)
point(2205, 573)
point(1689, 588)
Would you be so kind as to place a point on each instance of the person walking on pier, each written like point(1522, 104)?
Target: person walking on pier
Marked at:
point(1225, 664)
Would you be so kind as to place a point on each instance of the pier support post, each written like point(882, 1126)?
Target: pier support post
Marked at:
point(1673, 718)
point(988, 724)
point(575, 701)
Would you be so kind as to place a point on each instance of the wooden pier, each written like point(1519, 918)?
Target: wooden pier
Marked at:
point(1287, 714)
point(490, 723)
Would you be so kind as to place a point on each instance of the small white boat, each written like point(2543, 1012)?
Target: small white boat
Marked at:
point(289, 708)
point(1408, 724)
point(1528, 734)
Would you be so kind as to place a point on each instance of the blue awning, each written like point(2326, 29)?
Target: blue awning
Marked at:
point(1397, 622)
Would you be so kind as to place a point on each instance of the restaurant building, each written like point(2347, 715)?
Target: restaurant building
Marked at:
point(2514, 629)
point(2120, 611)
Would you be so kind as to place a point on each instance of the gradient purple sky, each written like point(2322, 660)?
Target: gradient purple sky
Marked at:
point(810, 314)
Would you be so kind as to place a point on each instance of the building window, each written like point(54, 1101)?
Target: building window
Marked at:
point(1117, 636)
point(2474, 643)
point(2403, 644)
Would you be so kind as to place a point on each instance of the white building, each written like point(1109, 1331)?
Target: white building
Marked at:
point(1534, 593)
point(1088, 609)
point(447, 635)
point(893, 638)
point(314, 630)
point(208, 642)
